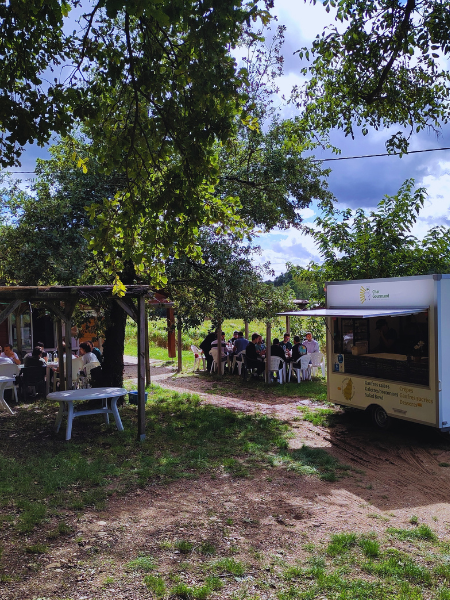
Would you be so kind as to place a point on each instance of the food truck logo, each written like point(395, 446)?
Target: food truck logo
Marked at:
point(364, 294)
point(348, 389)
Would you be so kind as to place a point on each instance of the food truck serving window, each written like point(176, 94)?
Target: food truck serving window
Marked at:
point(390, 347)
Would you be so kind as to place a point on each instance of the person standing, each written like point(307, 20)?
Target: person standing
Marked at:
point(206, 347)
point(310, 344)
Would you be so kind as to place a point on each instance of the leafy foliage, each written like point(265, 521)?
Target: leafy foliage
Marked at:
point(383, 69)
point(356, 245)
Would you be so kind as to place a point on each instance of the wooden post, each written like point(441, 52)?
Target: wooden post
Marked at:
point(147, 351)
point(288, 324)
point(18, 319)
point(268, 345)
point(141, 324)
point(219, 349)
point(179, 345)
point(68, 327)
point(59, 340)
point(171, 333)
point(246, 330)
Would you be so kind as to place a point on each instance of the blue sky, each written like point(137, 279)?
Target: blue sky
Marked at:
point(355, 183)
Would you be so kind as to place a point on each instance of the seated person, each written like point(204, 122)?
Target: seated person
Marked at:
point(240, 343)
point(310, 344)
point(286, 343)
point(298, 349)
point(43, 352)
point(223, 345)
point(95, 351)
point(34, 359)
point(260, 347)
point(252, 359)
point(86, 354)
point(234, 338)
point(9, 353)
point(277, 350)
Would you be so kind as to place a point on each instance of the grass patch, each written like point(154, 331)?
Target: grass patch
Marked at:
point(369, 546)
point(143, 563)
point(323, 417)
point(341, 543)
point(422, 532)
point(184, 546)
point(228, 565)
point(36, 549)
point(185, 592)
point(400, 566)
point(314, 461)
point(156, 584)
point(185, 439)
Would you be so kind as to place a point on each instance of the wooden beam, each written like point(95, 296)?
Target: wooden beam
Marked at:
point(246, 330)
point(56, 310)
point(129, 308)
point(18, 316)
point(219, 349)
point(141, 367)
point(9, 309)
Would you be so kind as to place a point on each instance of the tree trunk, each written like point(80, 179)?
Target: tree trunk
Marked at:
point(113, 346)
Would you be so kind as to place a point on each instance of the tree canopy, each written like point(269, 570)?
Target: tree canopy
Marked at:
point(380, 67)
point(357, 245)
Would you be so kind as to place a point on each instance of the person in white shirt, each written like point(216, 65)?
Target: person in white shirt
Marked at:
point(9, 353)
point(86, 354)
point(310, 344)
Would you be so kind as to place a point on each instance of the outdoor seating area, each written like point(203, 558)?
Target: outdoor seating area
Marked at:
point(282, 362)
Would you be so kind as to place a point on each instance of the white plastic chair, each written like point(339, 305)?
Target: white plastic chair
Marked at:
point(317, 361)
point(278, 366)
point(214, 352)
point(198, 356)
point(238, 359)
point(10, 370)
point(85, 382)
point(305, 366)
point(296, 367)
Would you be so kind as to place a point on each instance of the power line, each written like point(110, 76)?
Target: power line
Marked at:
point(378, 155)
point(315, 159)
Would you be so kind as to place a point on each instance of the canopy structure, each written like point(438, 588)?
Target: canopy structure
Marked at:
point(355, 313)
point(61, 301)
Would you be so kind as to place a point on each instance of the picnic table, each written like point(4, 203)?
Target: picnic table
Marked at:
point(67, 399)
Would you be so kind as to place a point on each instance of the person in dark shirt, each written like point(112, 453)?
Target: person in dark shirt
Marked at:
point(35, 360)
point(286, 343)
point(96, 351)
point(252, 358)
point(277, 350)
point(206, 347)
point(298, 349)
point(240, 343)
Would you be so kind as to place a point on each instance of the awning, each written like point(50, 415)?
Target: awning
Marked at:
point(355, 313)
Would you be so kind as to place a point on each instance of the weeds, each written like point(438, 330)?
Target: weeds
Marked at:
point(141, 563)
point(422, 532)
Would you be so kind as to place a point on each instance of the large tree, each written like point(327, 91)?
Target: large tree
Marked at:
point(383, 65)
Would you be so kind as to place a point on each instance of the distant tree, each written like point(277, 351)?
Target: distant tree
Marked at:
point(357, 245)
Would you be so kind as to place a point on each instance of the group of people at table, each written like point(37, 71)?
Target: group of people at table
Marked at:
point(38, 357)
point(255, 349)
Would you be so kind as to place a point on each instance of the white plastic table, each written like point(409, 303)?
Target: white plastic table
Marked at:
point(4, 380)
point(67, 398)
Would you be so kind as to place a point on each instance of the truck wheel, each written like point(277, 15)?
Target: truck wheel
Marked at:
point(380, 417)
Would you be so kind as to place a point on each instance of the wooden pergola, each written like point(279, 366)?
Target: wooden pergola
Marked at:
point(61, 302)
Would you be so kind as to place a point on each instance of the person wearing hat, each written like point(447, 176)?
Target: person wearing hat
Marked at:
point(310, 344)
point(388, 337)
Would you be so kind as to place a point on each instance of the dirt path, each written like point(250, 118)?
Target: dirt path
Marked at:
point(274, 514)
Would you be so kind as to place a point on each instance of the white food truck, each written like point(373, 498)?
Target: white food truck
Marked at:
point(388, 347)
